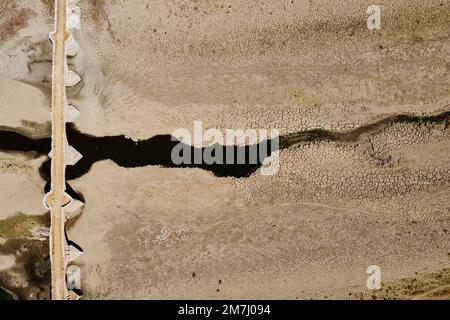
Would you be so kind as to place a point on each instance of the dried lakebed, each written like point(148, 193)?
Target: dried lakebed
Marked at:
point(157, 150)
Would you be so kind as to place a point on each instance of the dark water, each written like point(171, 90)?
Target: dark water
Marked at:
point(69, 190)
point(5, 295)
point(130, 154)
point(157, 150)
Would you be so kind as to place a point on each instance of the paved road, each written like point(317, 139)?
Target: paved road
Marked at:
point(57, 197)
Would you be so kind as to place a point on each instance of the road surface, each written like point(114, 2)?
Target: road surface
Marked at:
point(57, 198)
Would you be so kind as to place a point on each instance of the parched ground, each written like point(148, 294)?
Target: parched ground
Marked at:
point(333, 209)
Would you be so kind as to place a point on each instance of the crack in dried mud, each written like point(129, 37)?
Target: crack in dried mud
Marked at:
point(157, 150)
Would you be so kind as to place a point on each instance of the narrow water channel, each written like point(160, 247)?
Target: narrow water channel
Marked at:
point(127, 153)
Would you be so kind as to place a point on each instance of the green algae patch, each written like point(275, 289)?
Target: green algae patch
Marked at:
point(32, 253)
point(42, 269)
point(20, 225)
point(6, 295)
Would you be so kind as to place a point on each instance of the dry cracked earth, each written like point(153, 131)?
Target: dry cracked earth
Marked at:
point(364, 175)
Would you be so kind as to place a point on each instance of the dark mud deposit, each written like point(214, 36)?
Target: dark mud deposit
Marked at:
point(32, 257)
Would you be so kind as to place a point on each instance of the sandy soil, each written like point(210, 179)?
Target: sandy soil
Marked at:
point(24, 108)
point(306, 233)
point(333, 209)
point(20, 177)
point(151, 68)
point(7, 262)
point(420, 286)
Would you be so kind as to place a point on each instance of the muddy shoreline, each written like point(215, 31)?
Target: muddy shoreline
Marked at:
point(156, 150)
